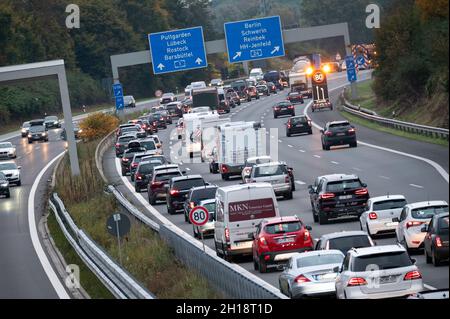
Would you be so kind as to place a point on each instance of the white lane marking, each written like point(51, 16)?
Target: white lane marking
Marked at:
point(435, 165)
point(280, 141)
point(267, 133)
point(317, 156)
point(290, 146)
point(302, 151)
point(300, 183)
point(384, 177)
point(38, 147)
point(54, 280)
point(429, 287)
point(336, 163)
point(271, 136)
point(416, 186)
point(187, 168)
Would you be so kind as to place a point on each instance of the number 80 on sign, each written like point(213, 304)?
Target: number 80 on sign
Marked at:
point(199, 216)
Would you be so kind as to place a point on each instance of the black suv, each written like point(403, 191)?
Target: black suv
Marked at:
point(4, 185)
point(178, 190)
point(297, 125)
point(283, 108)
point(159, 119)
point(144, 173)
point(128, 155)
point(37, 133)
point(338, 133)
point(157, 187)
point(337, 195)
point(195, 196)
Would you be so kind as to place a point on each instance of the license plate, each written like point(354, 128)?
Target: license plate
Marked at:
point(388, 279)
point(286, 240)
point(299, 125)
point(391, 224)
point(340, 134)
point(326, 276)
point(244, 244)
point(346, 197)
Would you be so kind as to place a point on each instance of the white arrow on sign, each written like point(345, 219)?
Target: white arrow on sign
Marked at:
point(238, 54)
point(276, 49)
point(199, 61)
point(160, 66)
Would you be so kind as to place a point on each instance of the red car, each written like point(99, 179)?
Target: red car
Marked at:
point(277, 239)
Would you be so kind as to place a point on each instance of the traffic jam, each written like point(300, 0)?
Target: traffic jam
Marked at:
point(241, 216)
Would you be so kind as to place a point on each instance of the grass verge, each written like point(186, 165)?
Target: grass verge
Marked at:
point(144, 254)
point(93, 286)
point(422, 138)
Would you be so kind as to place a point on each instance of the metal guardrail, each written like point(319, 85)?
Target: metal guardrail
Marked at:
point(118, 281)
point(396, 124)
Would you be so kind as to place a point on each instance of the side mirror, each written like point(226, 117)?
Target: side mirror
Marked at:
point(424, 229)
point(308, 228)
point(337, 269)
point(396, 220)
point(364, 185)
point(413, 261)
point(311, 189)
point(183, 172)
point(19, 167)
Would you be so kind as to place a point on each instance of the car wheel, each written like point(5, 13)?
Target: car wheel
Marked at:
point(225, 177)
point(255, 264)
point(262, 266)
point(275, 116)
point(19, 183)
point(132, 177)
point(323, 219)
point(312, 110)
point(124, 173)
point(288, 134)
point(8, 195)
point(30, 142)
point(354, 144)
point(310, 132)
point(137, 189)
point(434, 259)
point(288, 195)
point(194, 229)
point(323, 146)
point(151, 200)
point(428, 259)
point(171, 211)
point(327, 147)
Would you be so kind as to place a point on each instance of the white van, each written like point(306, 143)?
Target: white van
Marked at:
point(239, 209)
point(257, 74)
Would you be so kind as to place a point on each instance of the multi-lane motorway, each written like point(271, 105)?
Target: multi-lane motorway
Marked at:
point(399, 167)
point(22, 272)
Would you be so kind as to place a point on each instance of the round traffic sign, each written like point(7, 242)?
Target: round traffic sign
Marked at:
point(158, 93)
point(199, 216)
point(118, 225)
point(318, 77)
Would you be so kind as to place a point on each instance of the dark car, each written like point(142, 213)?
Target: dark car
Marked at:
point(122, 143)
point(166, 116)
point(152, 124)
point(157, 187)
point(436, 240)
point(252, 93)
point(224, 105)
point(240, 87)
point(37, 133)
point(296, 97)
point(127, 158)
point(338, 195)
point(263, 89)
point(178, 191)
point(195, 196)
point(4, 186)
point(144, 173)
point(137, 159)
point(338, 133)
point(52, 122)
point(25, 128)
point(344, 241)
point(76, 131)
point(186, 105)
point(160, 120)
point(147, 126)
point(298, 125)
point(234, 98)
point(274, 77)
point(272, 87)
point(283, 108)
point(175, 109)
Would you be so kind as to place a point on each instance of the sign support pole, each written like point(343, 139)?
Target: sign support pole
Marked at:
point(118, 241)
point(203, 240)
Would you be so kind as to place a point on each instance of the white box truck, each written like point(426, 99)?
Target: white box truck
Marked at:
point(239, 210)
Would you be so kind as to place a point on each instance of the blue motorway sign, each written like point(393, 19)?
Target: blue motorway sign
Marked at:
point(177, 50)
point(351, 68)
point(117, 89)
point(255, 39)
point(120, 103)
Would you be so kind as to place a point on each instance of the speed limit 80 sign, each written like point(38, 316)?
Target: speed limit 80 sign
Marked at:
point(199, 216)
point(318, 77)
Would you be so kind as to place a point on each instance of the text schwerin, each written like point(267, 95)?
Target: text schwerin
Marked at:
point(186, 309)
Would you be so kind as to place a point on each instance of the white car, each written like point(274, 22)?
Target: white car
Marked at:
point(413, 217)
point(167, 98)
point(7, 150)
point(250, 162)
point(381, 214)
point(12, 172)
point(378, 272)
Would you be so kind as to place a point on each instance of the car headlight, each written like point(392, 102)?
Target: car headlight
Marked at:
point(4, 184)
point(29, 135)
point(24, 130)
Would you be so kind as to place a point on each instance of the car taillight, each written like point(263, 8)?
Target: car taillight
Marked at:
point(328, 133)
point(362, 191)
point(287, 179)
point(327, 196)
point(224, 168)
point(413, 224)
point(306, 235)
point(262, 241)
point(277, 109)
point(356, 281)
point(438, 242)
point(309, 123)
point(352, 131)
point(155, 123)
point(290, 107)
point(413, 275)
point(155, 185)
point(301, 279)
point(124, 159)
point(134, 165)
point(191, 205)
point(227, 235)
point(174, 192)
point(373, 216)
point(117, 145)
point(289, 125)
point(138, 176)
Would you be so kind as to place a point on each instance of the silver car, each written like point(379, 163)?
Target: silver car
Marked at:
point(378, 272)
point(275, 173)
point(311, 274)
point(7, 150)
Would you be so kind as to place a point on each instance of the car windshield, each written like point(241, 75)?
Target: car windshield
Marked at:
point(129, 129)
point(283, 104)
point(428, 212)
point(443, 225)
point(148, 145)
point(167, 176)
point(127, 98)
point(294, 94)
point(36, 129)
point(264, 171)
point(383, 261)
point(389, 204)
point(147, 168)
point(318, 260)
point(345, 243)
point(203, 194)
point(51, 118)
point(188, 183)
point(282, 228)
point(296, 120)
point(126, 139)
point(26, 124)
point(160, 158)
point(341, 186)
point(7, 166)
point(339, 125)
point(5, 145)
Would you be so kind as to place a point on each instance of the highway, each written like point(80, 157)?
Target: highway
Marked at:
point(383, 171)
